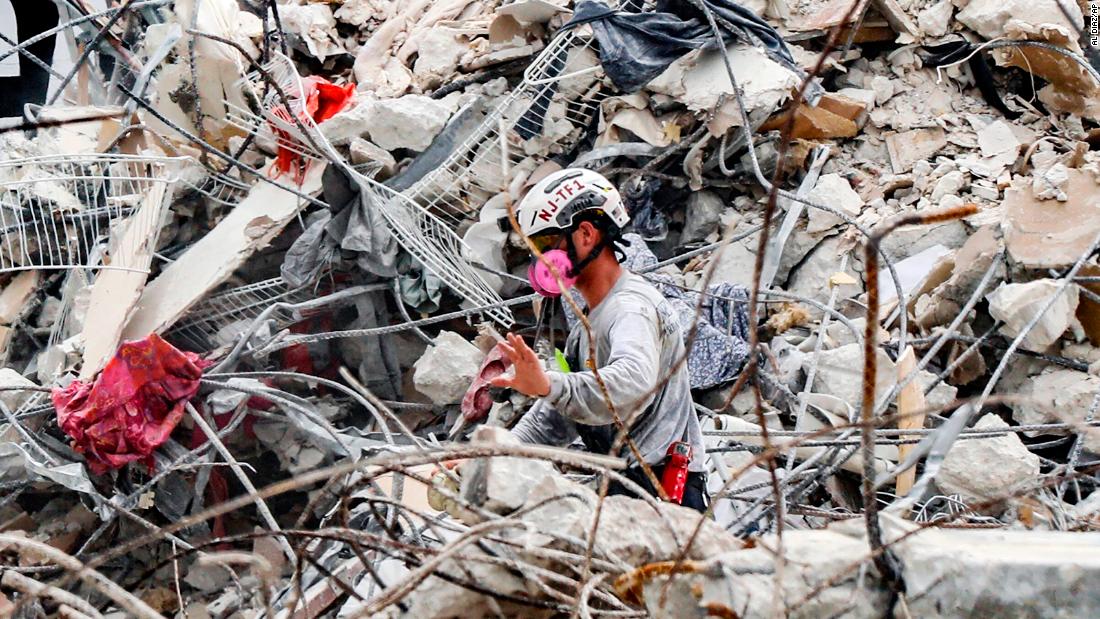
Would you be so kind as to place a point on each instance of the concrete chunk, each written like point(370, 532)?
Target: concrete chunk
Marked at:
point(447, 369)
point(835, 191)
point(983, 469)
point(411, 122)
point(1017, 304)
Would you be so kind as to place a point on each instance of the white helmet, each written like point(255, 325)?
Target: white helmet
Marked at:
point(555, 200)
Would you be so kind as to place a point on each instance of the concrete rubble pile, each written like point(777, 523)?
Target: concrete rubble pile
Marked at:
point(256, 258)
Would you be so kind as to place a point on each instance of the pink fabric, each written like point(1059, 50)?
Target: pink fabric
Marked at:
point(477, 401)
point(132, 406)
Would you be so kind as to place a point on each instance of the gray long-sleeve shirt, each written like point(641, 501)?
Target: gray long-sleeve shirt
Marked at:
point(638, 340)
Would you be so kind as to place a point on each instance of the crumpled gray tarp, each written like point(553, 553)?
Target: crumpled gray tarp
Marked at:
point(351, 224)
point(721, 345)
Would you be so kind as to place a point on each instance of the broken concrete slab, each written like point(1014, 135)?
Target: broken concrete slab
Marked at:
point(1059, 396)
point(969, 264)
point(704, 209)
point(839, 371)
point(13, 299)
point(908, 147)
point(833, 117)
point(699, 78)
point(410, 122)
point(1047, 233)
point(935, 19)
point(814, 561)
point(1088, 308)
point(500, 485)
point(814, 277)
point(1050, 184)
point(965, 573)
point(115, 293)
point(1017, 304)
point(533, 11)
point(1071, 87)
point(439, 51)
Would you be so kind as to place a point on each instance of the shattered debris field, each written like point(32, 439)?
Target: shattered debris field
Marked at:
point(259, 260)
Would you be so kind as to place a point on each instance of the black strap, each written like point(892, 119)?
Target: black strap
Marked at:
point(953, 51)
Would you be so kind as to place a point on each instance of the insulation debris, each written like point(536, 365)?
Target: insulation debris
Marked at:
point(258, 263)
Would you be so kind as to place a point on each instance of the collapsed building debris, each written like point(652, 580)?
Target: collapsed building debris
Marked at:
point(256, 260)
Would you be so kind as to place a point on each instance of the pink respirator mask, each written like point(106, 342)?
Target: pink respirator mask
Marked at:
point(542, 279)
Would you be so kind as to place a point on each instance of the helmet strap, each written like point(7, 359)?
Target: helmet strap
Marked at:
point(571, 251)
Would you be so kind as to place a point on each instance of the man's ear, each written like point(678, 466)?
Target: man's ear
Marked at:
point(589, 232)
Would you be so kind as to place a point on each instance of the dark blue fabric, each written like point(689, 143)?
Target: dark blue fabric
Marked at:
point(637, 47)
point(721, 345)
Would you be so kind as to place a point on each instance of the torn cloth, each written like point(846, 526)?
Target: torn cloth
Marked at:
point(721, 345)
point(132, 406)
point(320, 100)
point(637, 47)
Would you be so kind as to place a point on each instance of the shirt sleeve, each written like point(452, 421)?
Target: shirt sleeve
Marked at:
point(630, 373)
point(542, 425)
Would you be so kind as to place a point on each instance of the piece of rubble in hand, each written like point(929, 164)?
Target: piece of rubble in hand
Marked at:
point(1017, 304)
point(478, 399)
point(981, 470)
point(447, 368)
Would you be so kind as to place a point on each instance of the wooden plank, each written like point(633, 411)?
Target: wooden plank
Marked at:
point(115, 293)
point(911, 405)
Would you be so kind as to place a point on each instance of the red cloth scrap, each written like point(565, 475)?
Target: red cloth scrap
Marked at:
point(477, 401)
point(132, 407)
point(322, 100)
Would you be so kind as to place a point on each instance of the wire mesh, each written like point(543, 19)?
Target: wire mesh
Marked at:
point(221, 188)
point(432, 242)
point(205, 327)
point(546, 113)
point(57, 212)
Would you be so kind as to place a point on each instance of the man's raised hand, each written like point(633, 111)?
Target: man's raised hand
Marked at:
point(528, 377)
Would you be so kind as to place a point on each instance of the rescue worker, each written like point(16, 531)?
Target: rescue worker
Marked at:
point(576, 217)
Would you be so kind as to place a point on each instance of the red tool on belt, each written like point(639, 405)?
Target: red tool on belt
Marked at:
point(676, 471)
